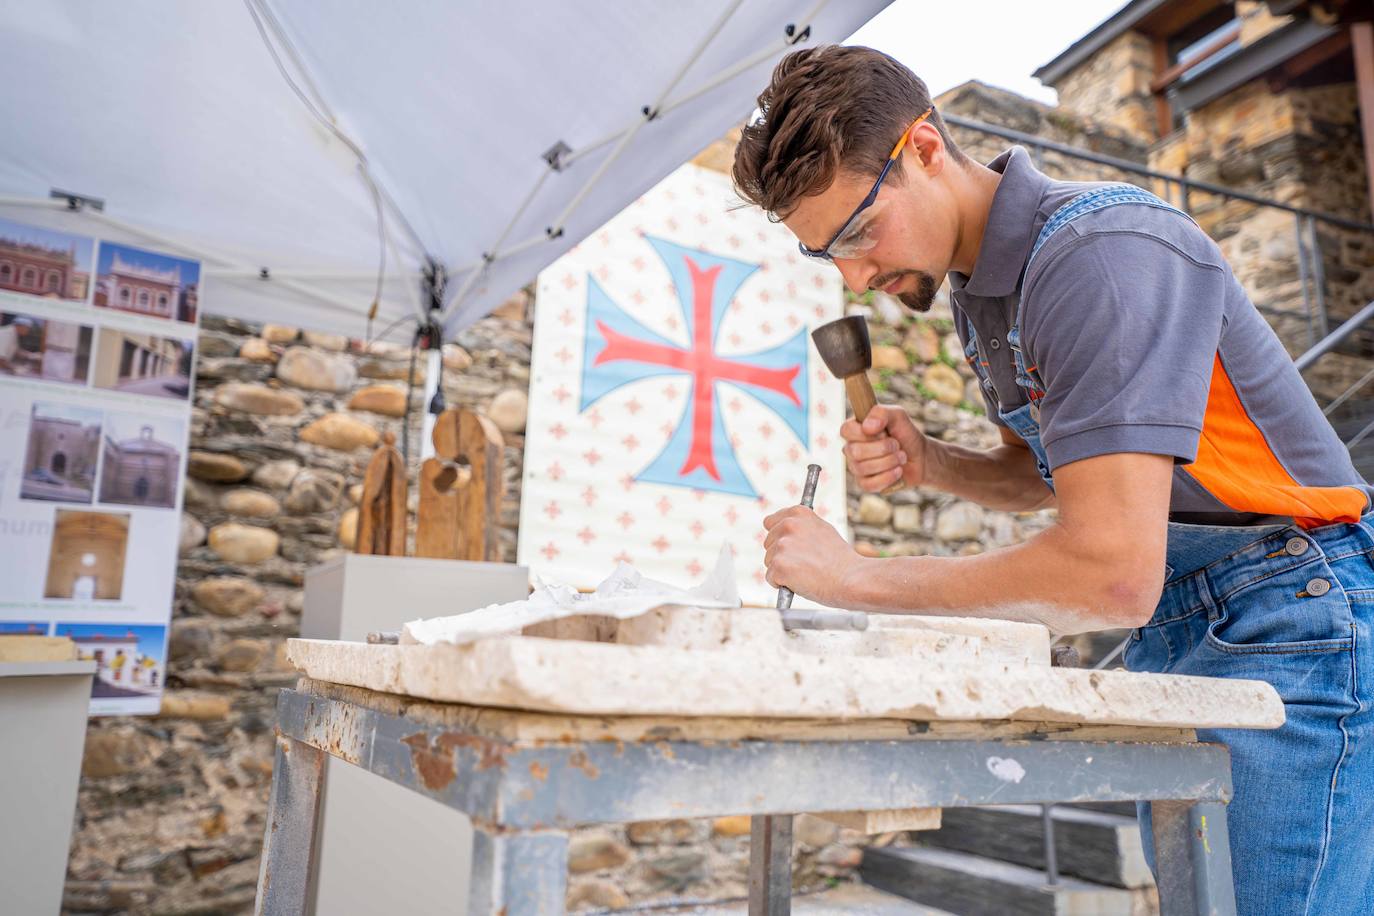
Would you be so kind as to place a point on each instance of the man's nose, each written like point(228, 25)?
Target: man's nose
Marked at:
point(856, 274)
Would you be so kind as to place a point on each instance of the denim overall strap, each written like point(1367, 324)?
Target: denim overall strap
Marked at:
point(1025, 419)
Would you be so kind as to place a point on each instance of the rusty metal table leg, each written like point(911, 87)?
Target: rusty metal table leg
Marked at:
point(518, 873)
point(770, 865)
point(1193, 858)
point(288, 850)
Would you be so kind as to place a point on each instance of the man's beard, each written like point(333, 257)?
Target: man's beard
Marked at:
point(918, 301)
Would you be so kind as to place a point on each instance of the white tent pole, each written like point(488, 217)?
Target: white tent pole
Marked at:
point(168, 242)
point(722, 77)
point(556, 229)
point(434, 364)
point(246, 273)
point(495, 252)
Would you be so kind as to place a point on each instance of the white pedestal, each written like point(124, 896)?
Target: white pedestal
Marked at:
point(383, 849)
point(43, 709)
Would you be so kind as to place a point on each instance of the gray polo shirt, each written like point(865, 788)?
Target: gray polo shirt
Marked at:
point(1145, 342)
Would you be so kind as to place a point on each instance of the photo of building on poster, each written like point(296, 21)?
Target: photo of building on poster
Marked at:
point(143, 364)
point(130, 659)
point(141, 463)
point(147, 283)
point(44, 262)
point(87, 555)
point(60, 457)
point(44, 349)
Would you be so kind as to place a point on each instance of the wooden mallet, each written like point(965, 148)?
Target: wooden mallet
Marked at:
point(847, 353)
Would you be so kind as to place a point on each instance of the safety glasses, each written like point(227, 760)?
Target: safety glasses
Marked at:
point(855, 237)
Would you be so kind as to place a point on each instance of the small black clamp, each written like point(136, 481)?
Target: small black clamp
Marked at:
point(795, 37)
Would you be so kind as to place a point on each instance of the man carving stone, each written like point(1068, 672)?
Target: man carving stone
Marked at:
point(1202, 498)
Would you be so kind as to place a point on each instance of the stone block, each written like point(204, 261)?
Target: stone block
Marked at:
point(887, 357)
point(335, 343)
point(594, 892)
point(258, 399)
point(279, 333)
point(734, 825)
point(813, 831)
point(314, 490)
point(456, 359)
point(114, 752)
point(237, 543)
point(257, 350)
point(227, 596)
point(250, 503)
point(178, 704)
point(959, 521)
point(596, 851)
point(276, 475)
point(241, 655)
point(907, 519)
point(508, 410)
point(944, 383)
point(192, 533)
point(653, 833)
point(316, 371)
point(677, 869)
point(340, 432)
point(387, 400)
point(215, 467)
point(348, 528)
point(874, 510)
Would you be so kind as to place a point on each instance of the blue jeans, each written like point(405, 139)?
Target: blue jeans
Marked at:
point(1294, 608)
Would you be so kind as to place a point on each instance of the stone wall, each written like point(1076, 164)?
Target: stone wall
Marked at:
point(170, 812)
point(1113, 87)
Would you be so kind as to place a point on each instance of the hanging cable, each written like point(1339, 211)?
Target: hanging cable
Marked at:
point(263, 19)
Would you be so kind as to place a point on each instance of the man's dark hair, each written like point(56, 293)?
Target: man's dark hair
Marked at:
point(828, 109)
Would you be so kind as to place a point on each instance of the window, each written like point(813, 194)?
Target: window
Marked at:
point(29, 278)
point(143, 299)
point(6, 272)
point(1211, 29)
point(162, 302)
point(54, 282)
point(124, 295)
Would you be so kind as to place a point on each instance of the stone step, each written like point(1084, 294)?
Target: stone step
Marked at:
point(1095, 846)
point(971, 885)
point(849, 899)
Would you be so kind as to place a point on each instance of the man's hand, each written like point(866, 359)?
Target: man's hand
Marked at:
point(807, 555)
point(886, 448)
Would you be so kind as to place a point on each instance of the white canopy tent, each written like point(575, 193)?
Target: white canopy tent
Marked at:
point(313, 153)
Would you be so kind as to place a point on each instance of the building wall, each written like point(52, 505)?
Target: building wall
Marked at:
point(104, 537)
point(1113, 87)
point(26, 269)
point(139, 476)
point(64, 448)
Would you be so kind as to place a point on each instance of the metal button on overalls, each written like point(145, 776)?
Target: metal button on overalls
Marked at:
point(1296, 546)
point(995, 344)
point(1318, 587)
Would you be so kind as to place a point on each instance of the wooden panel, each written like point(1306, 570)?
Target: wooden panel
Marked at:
point(460, 489)
point(382, 509)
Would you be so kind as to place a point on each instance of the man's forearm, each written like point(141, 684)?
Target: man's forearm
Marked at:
point(1002, 478)
point(1068, 583)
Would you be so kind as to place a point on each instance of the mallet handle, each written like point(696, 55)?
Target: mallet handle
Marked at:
point(862, 399)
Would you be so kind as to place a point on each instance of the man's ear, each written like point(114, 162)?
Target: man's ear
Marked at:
point(925, 151)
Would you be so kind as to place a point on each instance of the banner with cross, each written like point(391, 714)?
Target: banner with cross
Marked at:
point(675, 395)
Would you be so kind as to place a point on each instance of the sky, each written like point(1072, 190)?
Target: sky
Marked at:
point(994, 41)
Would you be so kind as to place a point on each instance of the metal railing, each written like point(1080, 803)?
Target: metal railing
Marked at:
point(1353, 420)
point(1180, 189)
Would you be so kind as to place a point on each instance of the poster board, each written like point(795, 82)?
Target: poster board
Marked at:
point(676, 397)
point(97, 352)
